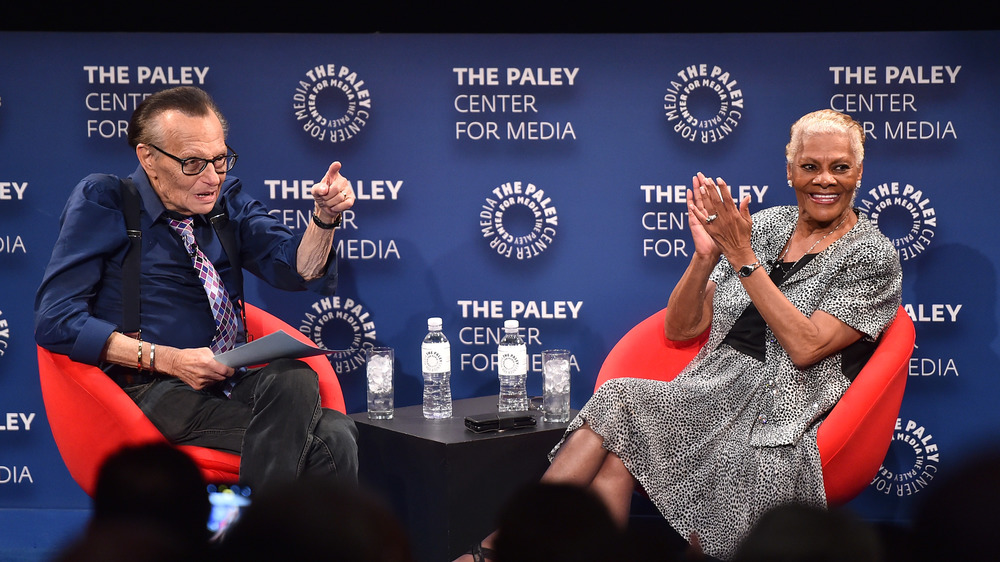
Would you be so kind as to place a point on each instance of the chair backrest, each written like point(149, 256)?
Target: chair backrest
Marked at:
point(91, 418)
point(89, 415)
point(646, 353)
point(854, 437)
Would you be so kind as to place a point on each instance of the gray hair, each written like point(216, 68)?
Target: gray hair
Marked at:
point(826, 121)
point(143, 127)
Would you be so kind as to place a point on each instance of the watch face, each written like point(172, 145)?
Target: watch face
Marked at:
point(746, 270)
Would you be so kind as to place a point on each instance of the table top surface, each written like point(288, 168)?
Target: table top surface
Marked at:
point(410, 420)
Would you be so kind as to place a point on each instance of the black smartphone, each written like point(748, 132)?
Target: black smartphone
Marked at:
point(499, 421)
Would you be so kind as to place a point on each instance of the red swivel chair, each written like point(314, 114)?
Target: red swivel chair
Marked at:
point(854, 437)
point(91, 417)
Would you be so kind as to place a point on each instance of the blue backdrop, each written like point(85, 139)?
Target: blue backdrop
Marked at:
point(537, 177)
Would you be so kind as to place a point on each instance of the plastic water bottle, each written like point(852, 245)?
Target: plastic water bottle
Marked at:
point(435, 358)
point(512, 368)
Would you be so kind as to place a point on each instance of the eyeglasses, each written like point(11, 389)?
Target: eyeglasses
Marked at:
point(195, 166)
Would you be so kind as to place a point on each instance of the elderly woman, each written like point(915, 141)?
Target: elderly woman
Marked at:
point(794, 310)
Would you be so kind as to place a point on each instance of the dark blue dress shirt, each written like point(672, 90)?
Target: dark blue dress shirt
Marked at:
point(79, 302)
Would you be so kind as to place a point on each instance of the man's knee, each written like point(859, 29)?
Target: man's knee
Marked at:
point(340, 431)
point(291, 369)
point(339, 435)
point(288, 375)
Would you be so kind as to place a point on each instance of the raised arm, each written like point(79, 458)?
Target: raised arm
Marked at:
point(333, 195)
point(689, 309)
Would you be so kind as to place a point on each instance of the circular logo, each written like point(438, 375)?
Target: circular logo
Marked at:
point(331, 103)
point(704, 104)
point(508, 364)
point(4, 335)
point(902, 213)
point(911, 463)
point(519, 220)
point(432, 361)
point(342, 325)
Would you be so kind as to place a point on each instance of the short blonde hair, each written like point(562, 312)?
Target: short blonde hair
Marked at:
point(826, 121)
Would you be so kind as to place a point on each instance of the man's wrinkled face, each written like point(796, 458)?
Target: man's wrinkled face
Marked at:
point(185, 136)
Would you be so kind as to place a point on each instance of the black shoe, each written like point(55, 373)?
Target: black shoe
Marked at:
point(482, 554)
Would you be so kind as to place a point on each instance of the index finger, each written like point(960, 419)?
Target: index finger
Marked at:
point(711, 187)
point(722, 191)
point(332, 174)
point(704, 190)
point(723, 186)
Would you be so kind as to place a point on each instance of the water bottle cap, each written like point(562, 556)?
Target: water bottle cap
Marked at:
point(510, 324)
point(434, 323)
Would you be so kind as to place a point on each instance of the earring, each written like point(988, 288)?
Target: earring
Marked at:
point(789, 183)
point(858, 185)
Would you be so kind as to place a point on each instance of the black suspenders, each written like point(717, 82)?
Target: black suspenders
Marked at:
point(130, 268)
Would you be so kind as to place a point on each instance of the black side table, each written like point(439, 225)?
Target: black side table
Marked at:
point(445, 483)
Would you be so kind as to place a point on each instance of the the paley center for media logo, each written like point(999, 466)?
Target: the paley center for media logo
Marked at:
point(332, 103)
point(342, 324)
point(911, 463)
point(519, 220)
point(703, 103)
point(4, 335)
point(903, 213)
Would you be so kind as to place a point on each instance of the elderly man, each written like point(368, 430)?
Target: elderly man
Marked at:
point(198, 232)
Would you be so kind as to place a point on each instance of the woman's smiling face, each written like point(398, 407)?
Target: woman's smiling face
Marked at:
point(825, 175)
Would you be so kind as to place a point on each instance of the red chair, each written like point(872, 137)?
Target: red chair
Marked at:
point(91, 417)
point(854, 437)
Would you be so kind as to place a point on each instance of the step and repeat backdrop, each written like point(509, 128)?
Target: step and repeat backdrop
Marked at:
point(535, 177)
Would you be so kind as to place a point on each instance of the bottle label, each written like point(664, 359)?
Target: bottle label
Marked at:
point(512, 360)
point(436, 357)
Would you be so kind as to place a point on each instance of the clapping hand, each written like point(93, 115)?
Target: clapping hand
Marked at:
point(718, 226)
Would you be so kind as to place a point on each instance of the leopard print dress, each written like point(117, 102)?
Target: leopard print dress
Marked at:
point(731, 436)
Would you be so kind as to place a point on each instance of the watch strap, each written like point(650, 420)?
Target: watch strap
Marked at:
point(327, 226)
point(748, 269)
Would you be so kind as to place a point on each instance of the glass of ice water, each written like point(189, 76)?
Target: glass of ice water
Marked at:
point(379, 370)
point(555, 385)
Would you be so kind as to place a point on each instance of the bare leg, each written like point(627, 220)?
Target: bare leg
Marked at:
point(583, 461)
point(579, 459)
point(614, 484)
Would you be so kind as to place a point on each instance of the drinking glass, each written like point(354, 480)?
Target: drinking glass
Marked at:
point(379, 370)
point(555, 385)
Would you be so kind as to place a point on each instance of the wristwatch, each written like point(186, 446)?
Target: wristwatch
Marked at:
point(327, 226)
point(746, 270)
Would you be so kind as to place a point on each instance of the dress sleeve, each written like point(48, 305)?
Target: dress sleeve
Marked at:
point(865, 292)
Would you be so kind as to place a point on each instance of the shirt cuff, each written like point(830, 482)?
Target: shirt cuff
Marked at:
point(90, 342)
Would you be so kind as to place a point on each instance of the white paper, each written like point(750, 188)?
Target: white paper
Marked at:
point(268, 348)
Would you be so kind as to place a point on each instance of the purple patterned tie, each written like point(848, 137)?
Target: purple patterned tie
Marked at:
point(222, 308)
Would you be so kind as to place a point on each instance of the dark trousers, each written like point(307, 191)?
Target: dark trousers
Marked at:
point(273, 419)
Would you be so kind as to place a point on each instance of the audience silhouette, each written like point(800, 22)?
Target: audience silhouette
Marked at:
point(800, 533)
point(149, 504)
point(555, 523)
point(313, 519)
point(957, 518)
